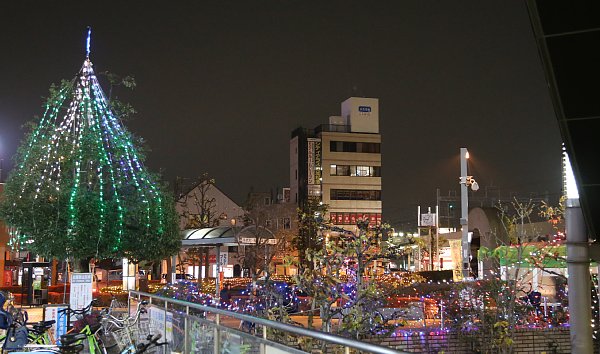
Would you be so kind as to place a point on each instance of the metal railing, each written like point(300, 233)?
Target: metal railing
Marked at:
point(215, 326)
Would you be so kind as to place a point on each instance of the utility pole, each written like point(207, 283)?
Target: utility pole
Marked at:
point(437, 237)
point(429, 221)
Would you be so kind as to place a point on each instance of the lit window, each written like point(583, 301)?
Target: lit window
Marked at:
point(332, 170)
point(363, 171)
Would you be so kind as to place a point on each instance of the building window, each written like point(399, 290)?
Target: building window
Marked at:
point(343, 170)
point(351, 146)
point(376, 171)
point(333, 170)
point(336, 146)
point(364, 171)
point(355, 171)
point(355, 194)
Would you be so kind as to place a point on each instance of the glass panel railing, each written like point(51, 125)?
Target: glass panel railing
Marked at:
point(193, 328)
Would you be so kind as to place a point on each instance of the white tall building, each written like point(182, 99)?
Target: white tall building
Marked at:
point(340, 163)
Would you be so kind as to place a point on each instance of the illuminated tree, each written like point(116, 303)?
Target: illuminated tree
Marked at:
point(339, 282)
point(487, 312)
point(80, 189)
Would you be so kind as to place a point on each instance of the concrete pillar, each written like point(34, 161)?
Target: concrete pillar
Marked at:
point(578, 263)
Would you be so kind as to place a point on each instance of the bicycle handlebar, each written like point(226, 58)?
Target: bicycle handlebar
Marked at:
point(127, 321)
point(142, 347)
point(82, 311)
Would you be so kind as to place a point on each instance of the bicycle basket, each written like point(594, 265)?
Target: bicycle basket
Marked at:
point(144, 330)
point(134, 335)
point(123, 338)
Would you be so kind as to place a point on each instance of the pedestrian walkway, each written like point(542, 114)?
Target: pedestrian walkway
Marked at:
point(34, 314)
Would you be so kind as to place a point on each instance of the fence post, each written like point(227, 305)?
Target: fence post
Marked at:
point(263, 345)
point(165, 327)
point(186, 329)
point(217, 337)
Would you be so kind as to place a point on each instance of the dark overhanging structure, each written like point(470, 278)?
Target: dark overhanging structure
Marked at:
point(568, 39)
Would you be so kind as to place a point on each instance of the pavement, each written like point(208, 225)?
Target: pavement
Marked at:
point(35, 314)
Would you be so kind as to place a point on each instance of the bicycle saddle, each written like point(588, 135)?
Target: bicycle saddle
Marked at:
point(42, 326)
point(71, 338)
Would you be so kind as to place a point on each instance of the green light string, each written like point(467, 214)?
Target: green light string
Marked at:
point(124, 141)
point(107, 161)
point(45, 122)
point(94, 172)
point(106, 185)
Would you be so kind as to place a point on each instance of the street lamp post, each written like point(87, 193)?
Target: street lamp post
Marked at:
point(464, 204)
point(465, 182)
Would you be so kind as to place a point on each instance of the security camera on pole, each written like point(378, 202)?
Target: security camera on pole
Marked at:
point(465, 181)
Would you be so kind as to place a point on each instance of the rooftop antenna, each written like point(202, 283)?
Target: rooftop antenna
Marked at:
point(87, 42)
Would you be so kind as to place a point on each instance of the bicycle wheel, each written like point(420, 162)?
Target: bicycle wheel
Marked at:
point(111, 345)
point(100, 347)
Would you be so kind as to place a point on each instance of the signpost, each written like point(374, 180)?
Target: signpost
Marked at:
point(81, 290)
point(52, 312)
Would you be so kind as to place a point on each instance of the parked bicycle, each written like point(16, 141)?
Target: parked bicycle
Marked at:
point(124, 331)
point(18, 332)
point(151, 342)
point(88, 324)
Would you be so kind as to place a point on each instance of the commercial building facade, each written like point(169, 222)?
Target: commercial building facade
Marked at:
point(340, 164)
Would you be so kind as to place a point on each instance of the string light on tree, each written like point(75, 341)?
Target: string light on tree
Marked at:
point(80, 188)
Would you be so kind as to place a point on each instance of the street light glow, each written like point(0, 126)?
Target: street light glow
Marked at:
point(570, 184)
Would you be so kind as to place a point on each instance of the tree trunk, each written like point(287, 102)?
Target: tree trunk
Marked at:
point(54, 279)
point(168, 271)
point(311, 314)
point(81, 265)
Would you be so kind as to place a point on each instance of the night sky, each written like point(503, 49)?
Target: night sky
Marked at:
point(221, 84)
